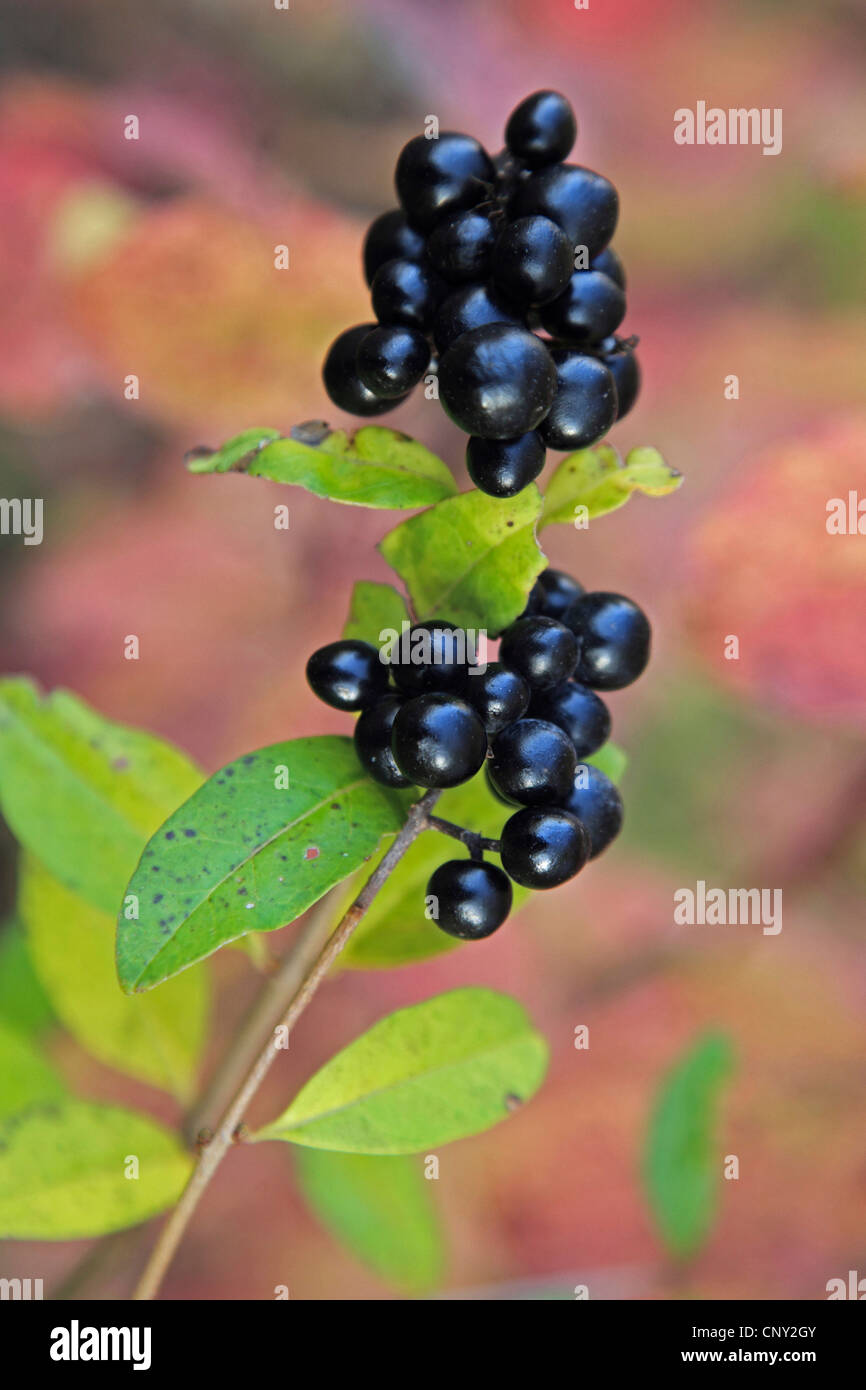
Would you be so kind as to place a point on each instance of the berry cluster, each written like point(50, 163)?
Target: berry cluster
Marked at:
point(503, 265)
point(430, 718)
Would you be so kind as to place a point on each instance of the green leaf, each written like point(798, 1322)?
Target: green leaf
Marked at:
point(597, 480)
point(24, 1005)
point(611, 760)
point(682, 1161)
point(81, 792)
point(423, 1076)
point(157, 1038)
point(249, 853)
point(66, 1171)
point(26, 1077)
point(375, 608)
point(472, 559)
point(394, 931)
point(381, 1209)
point(375, 467)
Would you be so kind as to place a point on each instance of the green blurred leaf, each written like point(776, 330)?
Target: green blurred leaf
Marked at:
point(597, 480)
point(26, 1077)
point(611, 760)
point(682, 1160)
point(381, 1209)
point(64, 1167)
point(81, 792)
point(157, 1038)
point(471, 559)
point(423, 1076)
point(24, 1005)
point(375, 467)
point(374, 609)
point(248, 853)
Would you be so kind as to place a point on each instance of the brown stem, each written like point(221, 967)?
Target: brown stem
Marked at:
point(211, 1156)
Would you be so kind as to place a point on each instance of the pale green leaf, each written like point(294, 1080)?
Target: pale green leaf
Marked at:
point(375, 608)
point(26, 1077)
point(24, 1005)
point(595, 479)
point(423, 1076)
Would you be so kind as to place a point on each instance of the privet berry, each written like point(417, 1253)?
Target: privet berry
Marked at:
point(584, 405)
point(614, 636)
point(437, 177)
point(342, 382)
point(373, 742)
point(543, 848)
point(541, 129)
point(597, 804)
point(504, 467)
point(533, 763)
point(552, 594)
point(347, 675)
point(499, 695)
point(533, 261)
point(438, 740)
point(470, 898)
point(541, 649)
point(497, 381)
point(578, 711)
point(436, 659)
point(390, 361)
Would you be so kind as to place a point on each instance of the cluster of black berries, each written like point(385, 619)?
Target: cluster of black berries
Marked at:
point(504, 265)
point(429, 718)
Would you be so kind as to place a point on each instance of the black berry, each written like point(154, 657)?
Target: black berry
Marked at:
point(541, 130)
point(437, 177)
point(541, 649)
point(392, 360)
point(340, 375)
point(499, 695)
point(609, 263)
point(614, 637)
point(461, 247)
point(578, 711)
point(543, 848)
point(373, 742)
point(347, 675)
point(621, 361)
point(584, 406)
point(497, 381)
point(533, 763)
point(390, 236)
point(533, 261)
point(435, 659)
point(438, 740)
point(552, 594)
point(504, 467)
point(470, 307)
point(597, 804)
point(405, 292)
point(590, 308)
point(471, 898)
point(584, 204)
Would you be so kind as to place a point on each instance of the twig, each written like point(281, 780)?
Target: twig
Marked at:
point(229, 1127)
point(474, 842)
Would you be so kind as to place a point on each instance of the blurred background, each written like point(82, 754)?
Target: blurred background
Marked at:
point(154, 257)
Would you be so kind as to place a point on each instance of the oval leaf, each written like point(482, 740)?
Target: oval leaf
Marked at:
point(66, 1171)
point(157, 1038)
point(472, 559)
point(81, 792)
point(375, 608)
point(25, 1075)
point(251, 850)
point(375, 467)
point(683, 1162)
point(24, 1005)
point(423, 1076)
point(597, 480)
point(381, 1209)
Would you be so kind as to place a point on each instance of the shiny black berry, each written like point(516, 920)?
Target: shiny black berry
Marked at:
point(470, 307)
point(621, 361)
point(533, 763)
point(609, 263)
point(392, 360)
point(584, 204)
point(436, 177)
point(348, 674)
point(597, 804)
point(533, 261)
point(373, 742)
point(591, 308)
point(503, 467)
point(584, 406)
point(470, 899)
point(614, 638)
point(578, 711)
point(461, 247)
point(342, 382)
point(388, 237)
point(438, 740)
point(497, 382)
point(541, 649)
point(406, 292)
point(552, 594)
point(543, 848)
point(431, 656)
point(541, 130)
point(499, 695)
